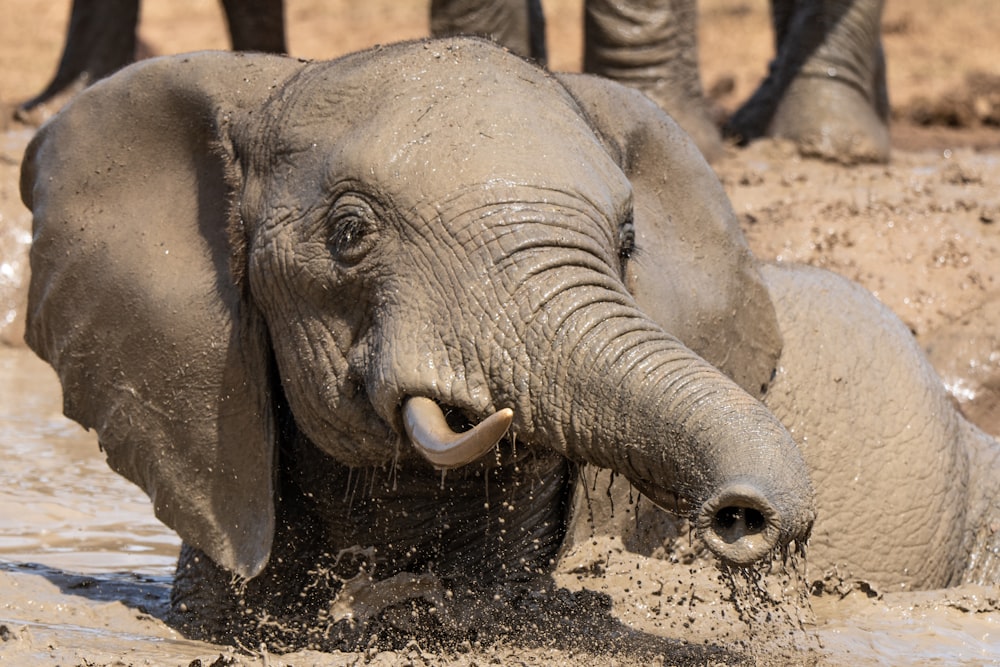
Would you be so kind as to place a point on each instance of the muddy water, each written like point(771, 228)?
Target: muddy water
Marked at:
point(85, 567)
point(60, 504)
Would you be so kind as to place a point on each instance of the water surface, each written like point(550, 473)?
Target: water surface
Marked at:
point(60, 504)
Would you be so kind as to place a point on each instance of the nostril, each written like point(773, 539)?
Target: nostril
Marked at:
point(456, 419)
point(739, 524)
point(734, 522)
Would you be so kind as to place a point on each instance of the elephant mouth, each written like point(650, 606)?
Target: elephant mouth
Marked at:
point(435, 437)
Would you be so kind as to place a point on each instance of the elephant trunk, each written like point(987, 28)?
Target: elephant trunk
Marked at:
point(640, 403)
point(589, 375)
point(674, 425)
point(626, 396)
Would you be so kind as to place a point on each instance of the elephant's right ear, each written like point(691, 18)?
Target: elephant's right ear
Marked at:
point(133, 300)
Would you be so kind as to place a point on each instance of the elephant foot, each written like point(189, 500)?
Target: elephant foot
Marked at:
point(831, 120)
point(826, 118)
point(36, 111)
point(826, 87)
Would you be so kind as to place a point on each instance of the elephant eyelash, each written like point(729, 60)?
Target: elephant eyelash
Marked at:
point(346, 233)
point(626, 239)
point(351, 231)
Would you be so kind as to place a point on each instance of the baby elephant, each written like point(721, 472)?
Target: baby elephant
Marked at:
point(288, 295)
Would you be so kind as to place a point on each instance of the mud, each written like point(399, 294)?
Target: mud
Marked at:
point(85, 569)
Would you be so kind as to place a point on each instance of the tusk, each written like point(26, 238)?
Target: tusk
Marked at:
point(431, 435)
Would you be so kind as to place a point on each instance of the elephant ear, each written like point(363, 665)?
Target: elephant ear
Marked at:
point(692, 271)
point(133, 299)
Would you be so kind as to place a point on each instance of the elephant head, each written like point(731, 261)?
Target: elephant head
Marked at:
point(425, 228)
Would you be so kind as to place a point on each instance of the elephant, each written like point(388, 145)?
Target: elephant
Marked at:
point(825, 89)
point(368, 319)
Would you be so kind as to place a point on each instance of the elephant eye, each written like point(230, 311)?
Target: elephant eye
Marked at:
point(351, 229)
point(626, 238)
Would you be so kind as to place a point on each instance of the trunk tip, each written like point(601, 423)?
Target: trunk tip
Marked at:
point(741, 526)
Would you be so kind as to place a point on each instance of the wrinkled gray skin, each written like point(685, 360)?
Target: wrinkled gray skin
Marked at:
point(825, 89)
point(273, 282)
point(245, 265)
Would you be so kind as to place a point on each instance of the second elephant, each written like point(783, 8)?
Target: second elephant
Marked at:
point(825, 89)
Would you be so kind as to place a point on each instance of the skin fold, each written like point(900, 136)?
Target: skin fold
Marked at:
point(248, 269)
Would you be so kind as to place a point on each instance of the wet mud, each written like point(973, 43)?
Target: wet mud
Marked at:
point(85, 572)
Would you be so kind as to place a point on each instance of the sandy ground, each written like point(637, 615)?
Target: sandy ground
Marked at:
point(923, 233)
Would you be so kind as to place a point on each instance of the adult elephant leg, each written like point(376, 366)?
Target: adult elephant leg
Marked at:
point(518, 25)
point(826, 87)
point(652, 45)
point(256, 25)
point(100, 40)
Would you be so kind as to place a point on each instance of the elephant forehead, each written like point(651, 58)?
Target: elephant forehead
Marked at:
point(429, 151)
point(430, 145)
point(423, 125)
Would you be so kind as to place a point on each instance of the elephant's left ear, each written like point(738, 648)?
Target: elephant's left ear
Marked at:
point(133, 300)
point(692, 271)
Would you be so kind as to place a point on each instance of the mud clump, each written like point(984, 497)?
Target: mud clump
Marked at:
point(974, 103)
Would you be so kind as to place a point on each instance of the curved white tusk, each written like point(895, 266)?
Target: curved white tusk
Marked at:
point(430, 434)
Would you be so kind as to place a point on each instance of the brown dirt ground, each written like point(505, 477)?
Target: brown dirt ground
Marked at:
point(923, 233)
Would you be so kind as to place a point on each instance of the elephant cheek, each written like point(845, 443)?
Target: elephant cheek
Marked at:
point(328, 404)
